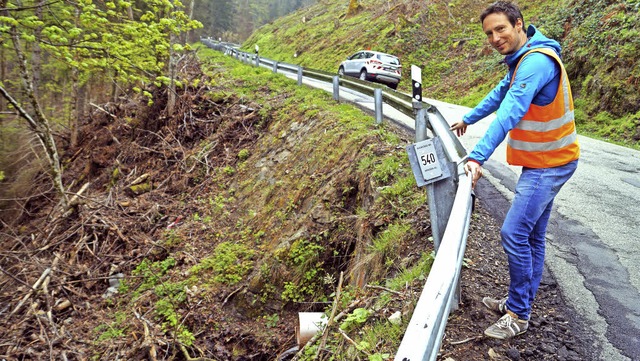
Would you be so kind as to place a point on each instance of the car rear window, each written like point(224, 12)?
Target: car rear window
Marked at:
point(389, 59)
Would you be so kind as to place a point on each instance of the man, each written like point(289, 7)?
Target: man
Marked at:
point(533, 104)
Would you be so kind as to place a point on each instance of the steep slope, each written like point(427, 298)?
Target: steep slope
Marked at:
point(601, 47)
point(213, 227)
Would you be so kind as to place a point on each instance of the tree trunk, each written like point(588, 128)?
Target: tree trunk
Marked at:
point(36, 52)
point(187, 35)
point(3, 71)
point(74, 114)
point(76, 103)
point(171, 96)
point(114, 87)
point(38, 123)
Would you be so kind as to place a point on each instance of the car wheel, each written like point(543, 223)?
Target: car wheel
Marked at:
point(341, 71)
point(363, 74)
point(393, 86)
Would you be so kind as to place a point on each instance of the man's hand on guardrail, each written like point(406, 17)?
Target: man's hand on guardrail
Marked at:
point(460, 128)
point(476, 171)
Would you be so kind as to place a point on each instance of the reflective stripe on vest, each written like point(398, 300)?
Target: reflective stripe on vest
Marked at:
point(546, 136)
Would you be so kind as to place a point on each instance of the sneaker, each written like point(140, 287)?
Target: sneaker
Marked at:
point(498, 305)
point(507, 327)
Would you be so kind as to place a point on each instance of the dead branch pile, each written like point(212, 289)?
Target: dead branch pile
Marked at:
point(131, 162)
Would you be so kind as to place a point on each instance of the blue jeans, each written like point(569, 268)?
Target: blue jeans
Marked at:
point(524, 229)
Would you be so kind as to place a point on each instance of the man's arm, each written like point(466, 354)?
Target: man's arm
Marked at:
point(488, 105)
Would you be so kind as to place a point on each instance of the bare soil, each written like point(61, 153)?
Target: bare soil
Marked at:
point(114, 227)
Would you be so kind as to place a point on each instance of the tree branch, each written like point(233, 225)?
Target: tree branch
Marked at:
point(24, 8)
point(23, 113)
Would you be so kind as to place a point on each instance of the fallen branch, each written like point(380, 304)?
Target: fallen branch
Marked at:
point(226, 299)
point(333, 312)
point(14, 277)
point(473, 338)
point(74, 200)
point(33, 289)
point(385, 289)
point(103, 110)
point(189, 358)
point(153, 354)
point(346, 337)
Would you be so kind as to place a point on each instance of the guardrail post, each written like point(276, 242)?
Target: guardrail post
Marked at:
point(421, 121)
point(377, 99)
point(336, 88)
point(440, 197)
point(275, 66)
point(257, 61)
point(299, 75)
point(440, 194)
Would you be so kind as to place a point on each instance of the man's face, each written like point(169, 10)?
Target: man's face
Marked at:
point(503, 36)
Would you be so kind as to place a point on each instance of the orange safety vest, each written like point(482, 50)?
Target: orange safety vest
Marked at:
point(546, 135)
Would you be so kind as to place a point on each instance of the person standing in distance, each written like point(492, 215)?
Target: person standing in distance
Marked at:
point(534, 111)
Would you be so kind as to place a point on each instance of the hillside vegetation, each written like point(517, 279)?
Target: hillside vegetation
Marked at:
point(600, 39)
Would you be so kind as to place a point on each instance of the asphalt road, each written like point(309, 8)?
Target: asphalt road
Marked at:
point(593, 235)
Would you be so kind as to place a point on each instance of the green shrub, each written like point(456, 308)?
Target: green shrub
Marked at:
point(229, 264)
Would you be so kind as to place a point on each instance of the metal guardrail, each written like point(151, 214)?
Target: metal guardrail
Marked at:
point(425, 330)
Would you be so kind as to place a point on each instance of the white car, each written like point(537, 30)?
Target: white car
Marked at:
point(373, 66)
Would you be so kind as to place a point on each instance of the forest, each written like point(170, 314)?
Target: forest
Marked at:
point(236, 20)
point(60, 58)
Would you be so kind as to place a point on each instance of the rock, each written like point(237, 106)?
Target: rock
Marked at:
point(396, 318)
point(110, 292)
point(114, 283)
point(493, 354)
point(563, 353)
point(62, 305)
point(114, 280)
point(545, 348)
point(513, 354)
point(573, 356)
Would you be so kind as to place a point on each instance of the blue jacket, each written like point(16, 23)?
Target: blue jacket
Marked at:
point(536, 82)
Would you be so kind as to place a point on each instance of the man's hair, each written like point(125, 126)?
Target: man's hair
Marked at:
point(511, 10)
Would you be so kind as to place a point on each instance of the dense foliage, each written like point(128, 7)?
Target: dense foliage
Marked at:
point(128, 43)
point(58, 57)
point(235, 20)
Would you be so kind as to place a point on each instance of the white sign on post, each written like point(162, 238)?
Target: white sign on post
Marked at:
point(428, 159)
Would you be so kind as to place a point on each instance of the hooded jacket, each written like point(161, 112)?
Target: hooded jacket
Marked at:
point(536, 82)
